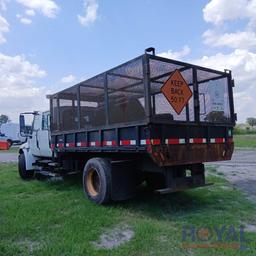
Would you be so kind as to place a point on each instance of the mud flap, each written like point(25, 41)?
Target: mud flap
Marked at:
point(177, 180)
point(124, 180)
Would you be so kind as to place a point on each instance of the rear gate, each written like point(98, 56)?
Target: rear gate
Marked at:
point(190, 144)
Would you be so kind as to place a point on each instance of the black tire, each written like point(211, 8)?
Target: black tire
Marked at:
point(97, 180)
point(24, 173)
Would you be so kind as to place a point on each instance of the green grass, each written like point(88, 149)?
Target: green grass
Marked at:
point(245, 141)
point(54, 218)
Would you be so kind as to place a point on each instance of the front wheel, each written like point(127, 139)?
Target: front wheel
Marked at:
point(97, 180)
point(24, 173)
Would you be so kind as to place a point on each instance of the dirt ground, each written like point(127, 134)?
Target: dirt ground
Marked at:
point(241, 171)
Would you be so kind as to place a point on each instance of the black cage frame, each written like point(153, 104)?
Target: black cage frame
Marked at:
point(146, 80)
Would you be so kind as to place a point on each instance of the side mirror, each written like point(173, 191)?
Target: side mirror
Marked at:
point(22, 123)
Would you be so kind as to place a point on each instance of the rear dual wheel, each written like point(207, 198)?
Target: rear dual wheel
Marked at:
point(97, 180)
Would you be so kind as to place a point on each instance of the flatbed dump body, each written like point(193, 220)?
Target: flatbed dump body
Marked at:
point(124, 110)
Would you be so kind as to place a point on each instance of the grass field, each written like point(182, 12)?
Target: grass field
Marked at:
point(245, 140)
point(54, 218)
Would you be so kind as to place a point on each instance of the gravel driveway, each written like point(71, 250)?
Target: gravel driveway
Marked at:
point(241, 171)
point(8, 157)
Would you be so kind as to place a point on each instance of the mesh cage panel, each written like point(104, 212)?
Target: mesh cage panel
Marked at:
point(164, 108)
point(68, 109)
point(92, 107)
point(132, 68)
point(205, 75)
point(96, 81)
point(158, 68)
point(124, 87)
point(214, 101)
point(160, 72)
point(126, 93)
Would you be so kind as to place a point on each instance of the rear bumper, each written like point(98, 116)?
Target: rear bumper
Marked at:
point(168, 155)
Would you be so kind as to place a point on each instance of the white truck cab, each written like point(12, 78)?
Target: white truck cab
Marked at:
point(35, 126)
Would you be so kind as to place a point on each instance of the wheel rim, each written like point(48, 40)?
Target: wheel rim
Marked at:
point(93, 183)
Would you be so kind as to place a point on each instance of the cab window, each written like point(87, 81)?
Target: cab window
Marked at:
point(46, 122)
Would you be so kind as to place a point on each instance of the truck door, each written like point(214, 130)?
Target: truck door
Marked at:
point(40, 139)
point(44, 136)
point(33, 142)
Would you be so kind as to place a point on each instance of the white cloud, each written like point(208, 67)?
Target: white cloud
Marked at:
point(12, 65)
point(239, 39)
point(241, 62)
point(243, 66)
point(26, 21)
point(3, 4)
point(176, 55)
point(90, 16)
point(30, 12)
point(68, 79)
point(242, 59)
point(47, 7)
point(18, 85)
point(218, 11)
point(4, 28)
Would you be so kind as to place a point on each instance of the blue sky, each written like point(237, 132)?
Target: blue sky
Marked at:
point(45, 46)
point(122, 31)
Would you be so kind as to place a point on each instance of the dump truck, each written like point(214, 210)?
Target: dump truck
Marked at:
point(152, 121)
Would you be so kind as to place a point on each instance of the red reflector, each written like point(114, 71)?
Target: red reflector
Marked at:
point(155, 141)
point(219, 140)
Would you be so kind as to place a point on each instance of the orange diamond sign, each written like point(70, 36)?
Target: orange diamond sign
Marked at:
point(176, 91)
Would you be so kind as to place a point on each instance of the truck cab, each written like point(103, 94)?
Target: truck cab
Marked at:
point(35, 126)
